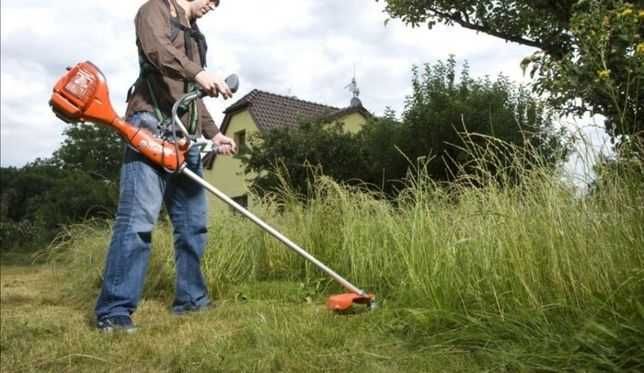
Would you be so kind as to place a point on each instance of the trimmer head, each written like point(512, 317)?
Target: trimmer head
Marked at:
point(344, 302)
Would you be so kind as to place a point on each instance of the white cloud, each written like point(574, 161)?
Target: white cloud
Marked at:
point(306, 48)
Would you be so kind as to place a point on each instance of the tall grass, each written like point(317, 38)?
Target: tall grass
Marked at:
point(526, 271)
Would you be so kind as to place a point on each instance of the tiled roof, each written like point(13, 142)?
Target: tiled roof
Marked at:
point(275, 111)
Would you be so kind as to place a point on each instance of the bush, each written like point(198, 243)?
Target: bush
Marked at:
point(40, 198)
point(23, 235)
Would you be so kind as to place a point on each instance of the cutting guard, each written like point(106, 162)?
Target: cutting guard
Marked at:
point(344, 302)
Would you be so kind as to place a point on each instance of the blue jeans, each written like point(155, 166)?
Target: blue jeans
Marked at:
point(143, 188)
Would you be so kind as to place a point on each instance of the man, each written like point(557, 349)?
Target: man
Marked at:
point(172, 54)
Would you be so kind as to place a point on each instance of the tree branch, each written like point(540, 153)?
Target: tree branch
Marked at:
point(456, 17)
point(513, 38)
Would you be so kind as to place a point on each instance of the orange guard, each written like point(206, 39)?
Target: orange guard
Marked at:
point(343, 302)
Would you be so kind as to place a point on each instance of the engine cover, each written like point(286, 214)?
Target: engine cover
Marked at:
point(81, 95)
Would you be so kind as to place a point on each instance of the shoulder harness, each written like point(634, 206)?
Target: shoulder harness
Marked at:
point(145, 67)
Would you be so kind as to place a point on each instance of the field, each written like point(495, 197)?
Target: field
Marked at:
point(532, 277)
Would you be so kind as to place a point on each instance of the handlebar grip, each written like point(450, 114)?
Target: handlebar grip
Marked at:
point(232, 81)
point(180, 106)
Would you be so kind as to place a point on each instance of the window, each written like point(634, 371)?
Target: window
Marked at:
point(240, 139)
point(241, 200)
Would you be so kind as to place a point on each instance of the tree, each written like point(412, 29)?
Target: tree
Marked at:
point(604, 71)
point(449, 122)
point(444, 121)
point(20, 186)
point(79, 182)
point(591, 51)
point(97, 150)
point(40, 197)
point(384, 166)
point(74, 197)
point(43, 192)
point(541, 24)
point(296, 154)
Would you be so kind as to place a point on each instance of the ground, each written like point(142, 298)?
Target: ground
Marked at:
point(42, 330)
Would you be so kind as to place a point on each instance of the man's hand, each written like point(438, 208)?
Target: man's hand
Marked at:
point(213, 84)
point(225, 145)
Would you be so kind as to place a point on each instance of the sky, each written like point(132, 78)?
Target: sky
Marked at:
point(304, 48)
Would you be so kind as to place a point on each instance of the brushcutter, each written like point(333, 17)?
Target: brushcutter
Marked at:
point(81, 95)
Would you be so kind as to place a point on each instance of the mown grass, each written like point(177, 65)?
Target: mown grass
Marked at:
point(43, 331)
point(524, 278)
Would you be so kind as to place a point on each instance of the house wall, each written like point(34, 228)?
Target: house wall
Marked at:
point(227, 173)
point(353, 122)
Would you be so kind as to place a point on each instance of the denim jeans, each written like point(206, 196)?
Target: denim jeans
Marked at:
point(143, 188)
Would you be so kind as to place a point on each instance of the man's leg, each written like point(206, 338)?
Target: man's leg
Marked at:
point(141, 196)
point(186, 203)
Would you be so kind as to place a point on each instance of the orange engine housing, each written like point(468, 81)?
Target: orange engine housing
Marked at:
point(81, 95)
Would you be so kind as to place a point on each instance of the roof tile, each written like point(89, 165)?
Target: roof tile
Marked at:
point(275, 111)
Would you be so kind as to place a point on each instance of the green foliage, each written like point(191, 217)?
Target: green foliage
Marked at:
point(23, 235)
point(297, 152)
point(604, 69)
point(384, 167)
point(450, 126)
point(20, 185)
point(456, 124)
point(591, 51)
point(608, 170)
point(79, 182)
point(74, 197)
point(40, 198)
point(540, 24)
point(95, 149)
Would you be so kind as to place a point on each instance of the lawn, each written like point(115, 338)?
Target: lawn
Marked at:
point(41, 331)
point(531, 277)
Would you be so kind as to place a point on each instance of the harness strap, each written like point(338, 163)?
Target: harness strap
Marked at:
point(192, 32)
point(157, 111)
point(146, 67)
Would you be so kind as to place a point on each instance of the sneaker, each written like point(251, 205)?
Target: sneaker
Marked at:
point(116, 324)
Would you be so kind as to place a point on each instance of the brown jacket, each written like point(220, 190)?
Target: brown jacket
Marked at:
point(169, 59)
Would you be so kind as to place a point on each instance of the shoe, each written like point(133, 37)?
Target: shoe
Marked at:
point(116, 324)
point(179, 311)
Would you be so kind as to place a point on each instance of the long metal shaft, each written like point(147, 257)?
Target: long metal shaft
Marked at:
point(290, 244)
